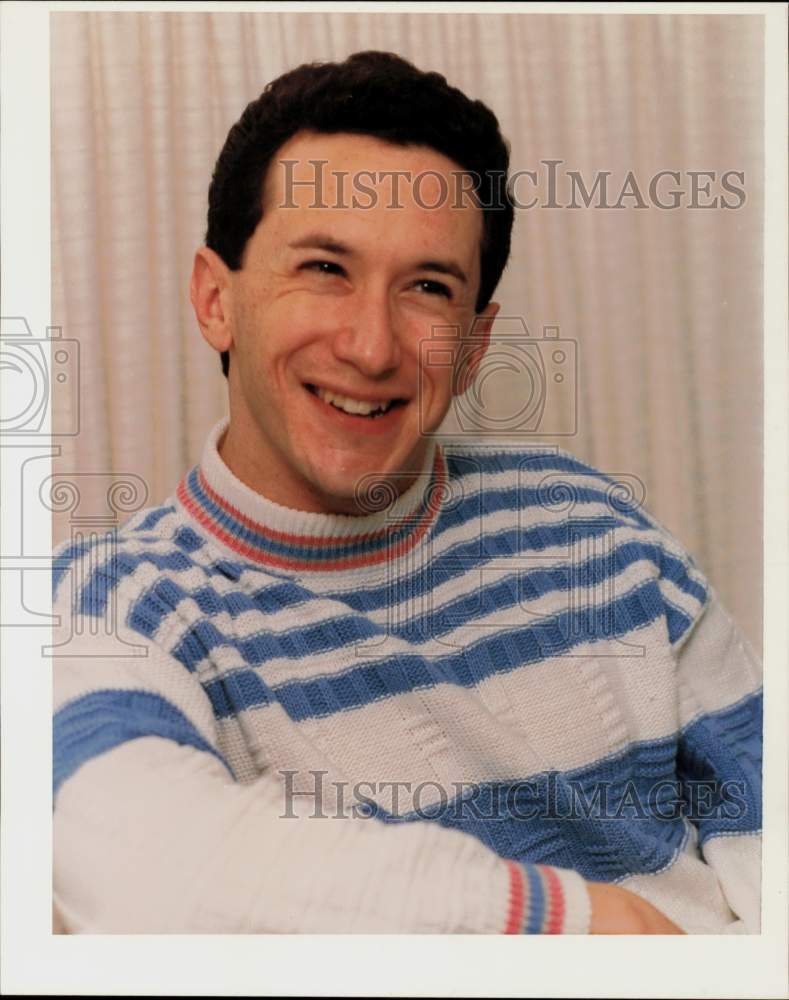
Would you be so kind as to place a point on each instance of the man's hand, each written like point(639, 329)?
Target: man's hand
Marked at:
point(617, 911)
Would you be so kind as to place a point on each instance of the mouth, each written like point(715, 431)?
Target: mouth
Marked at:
point(357, 410)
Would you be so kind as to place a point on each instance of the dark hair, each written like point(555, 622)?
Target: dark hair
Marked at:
point(370, 93)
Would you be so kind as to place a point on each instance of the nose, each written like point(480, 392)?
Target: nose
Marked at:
point(369, 339)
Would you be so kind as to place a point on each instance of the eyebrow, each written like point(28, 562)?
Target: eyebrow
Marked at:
point(317, 241)
point(321, 241)
point(443, 267)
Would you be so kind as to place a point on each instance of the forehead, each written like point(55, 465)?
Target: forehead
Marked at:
point(366, 188)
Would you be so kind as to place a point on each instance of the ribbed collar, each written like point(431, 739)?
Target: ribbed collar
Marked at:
point(266, 533)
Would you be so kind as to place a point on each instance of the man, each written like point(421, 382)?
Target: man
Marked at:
point(429, 714)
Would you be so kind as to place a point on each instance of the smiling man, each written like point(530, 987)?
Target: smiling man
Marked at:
point(324, 320)
point(383, 688)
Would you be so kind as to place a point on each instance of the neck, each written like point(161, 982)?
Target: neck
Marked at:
point(263, 530)
point(252, 466)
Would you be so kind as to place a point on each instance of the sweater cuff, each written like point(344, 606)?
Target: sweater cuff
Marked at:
point(547, 900)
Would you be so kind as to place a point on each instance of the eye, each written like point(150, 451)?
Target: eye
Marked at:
point(322, 267)
point(433, 287)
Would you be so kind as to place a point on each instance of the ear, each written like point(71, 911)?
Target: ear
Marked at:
point(209, 292)
point(478, 340)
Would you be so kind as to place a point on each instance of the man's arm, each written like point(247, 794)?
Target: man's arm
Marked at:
point(720, 756)
point(153, 833)
point(617, 911)
point(152, 837)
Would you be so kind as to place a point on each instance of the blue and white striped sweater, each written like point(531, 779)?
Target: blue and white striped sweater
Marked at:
point(537, 657)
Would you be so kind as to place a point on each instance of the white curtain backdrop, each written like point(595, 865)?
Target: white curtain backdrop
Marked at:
point(664, 305)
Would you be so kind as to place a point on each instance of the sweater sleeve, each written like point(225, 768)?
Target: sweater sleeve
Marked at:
point(154, 834)
point(720, 755)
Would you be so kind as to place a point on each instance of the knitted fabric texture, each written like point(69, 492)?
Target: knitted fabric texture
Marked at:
point(442, 716)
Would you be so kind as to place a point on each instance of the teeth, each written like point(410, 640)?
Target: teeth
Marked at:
point(356, 406)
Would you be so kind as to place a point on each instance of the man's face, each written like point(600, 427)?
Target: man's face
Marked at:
point(337, 299)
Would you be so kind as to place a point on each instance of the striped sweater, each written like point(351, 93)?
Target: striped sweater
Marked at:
point(445, 715)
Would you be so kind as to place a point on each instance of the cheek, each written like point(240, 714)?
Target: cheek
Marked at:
point(301, 319)
point(444, 381)
point(258, 331)
point(435, 375)
point(442, 353)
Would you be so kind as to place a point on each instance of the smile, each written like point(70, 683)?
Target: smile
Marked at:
point(367, 409)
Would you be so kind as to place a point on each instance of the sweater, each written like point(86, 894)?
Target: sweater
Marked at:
point(445, 715)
